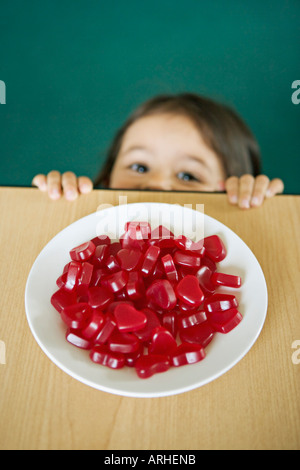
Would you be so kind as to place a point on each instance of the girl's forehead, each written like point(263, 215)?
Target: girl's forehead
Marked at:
point(170, 120)
point(177, 127)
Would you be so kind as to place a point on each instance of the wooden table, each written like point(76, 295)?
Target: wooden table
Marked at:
point(256, 405)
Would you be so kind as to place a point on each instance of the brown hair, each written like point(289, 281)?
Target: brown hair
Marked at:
point(221, 127)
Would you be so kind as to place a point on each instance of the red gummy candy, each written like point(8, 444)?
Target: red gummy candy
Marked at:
point(109, 326)
point(153, 321)
point(101, 240)
point(128, 318)
point(111, 307)
point(76, 316)
point(225, 321)
point(217, 302)
point(114, 248)
point(204, 278)
point(138, 230)
point(200, 334)
point(206, 261)
point(93, 325)
point(100, 256)
point(148, 365)
point(112, 264)
point(86, 274)
point(129, 259)
point(188, 290)
point(123, 342)
point(186, 308)
point(99, 297)
point(132, 240)
point(170, 322)
point(162, 342)
point(104, 356)
point(188, 353)
point(162, 237)
point(162, 294)
point(150, 260)
point(214, 248)
point(228, 280)
point(62, 298)
point(186, 244)
point(170, 268)
point(161, 232)
point(192, 319)
point(97, 275)
point(83, 252)
point(131, 358)
point(116, 281)
point(73, 275)
point(61, 280)
point(190, 260)
point(135, 286)
point(159, 271)
point(75, 337)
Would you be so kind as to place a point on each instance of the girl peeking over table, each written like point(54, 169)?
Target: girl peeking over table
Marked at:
point(182, 142)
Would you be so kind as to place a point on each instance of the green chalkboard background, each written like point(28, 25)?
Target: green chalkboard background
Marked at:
point(74, 70)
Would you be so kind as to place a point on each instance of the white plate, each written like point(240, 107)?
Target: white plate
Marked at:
point(223, 352)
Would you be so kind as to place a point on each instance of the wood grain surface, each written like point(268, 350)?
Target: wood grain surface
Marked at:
point(256, 405)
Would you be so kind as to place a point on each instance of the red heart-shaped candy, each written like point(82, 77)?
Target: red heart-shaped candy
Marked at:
point(129, 259)
point(162, 342)
point(128, 318)
point(188, 290)
point(162, 294)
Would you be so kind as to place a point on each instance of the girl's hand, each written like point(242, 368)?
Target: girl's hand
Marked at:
point(68, 184)
point(248, 191)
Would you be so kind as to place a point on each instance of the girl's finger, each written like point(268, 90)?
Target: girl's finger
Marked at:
point(54, 184)
point(85, 185)
point(69, 185)
point(246, 184)
point(40, 181)
point(261, 185)
point(276, 186)
point(232, 189)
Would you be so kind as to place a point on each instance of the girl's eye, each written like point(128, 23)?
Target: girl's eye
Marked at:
point(139, 168)
point(184, 176)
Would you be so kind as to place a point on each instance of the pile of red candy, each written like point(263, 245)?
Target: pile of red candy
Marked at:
point(148, 301)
